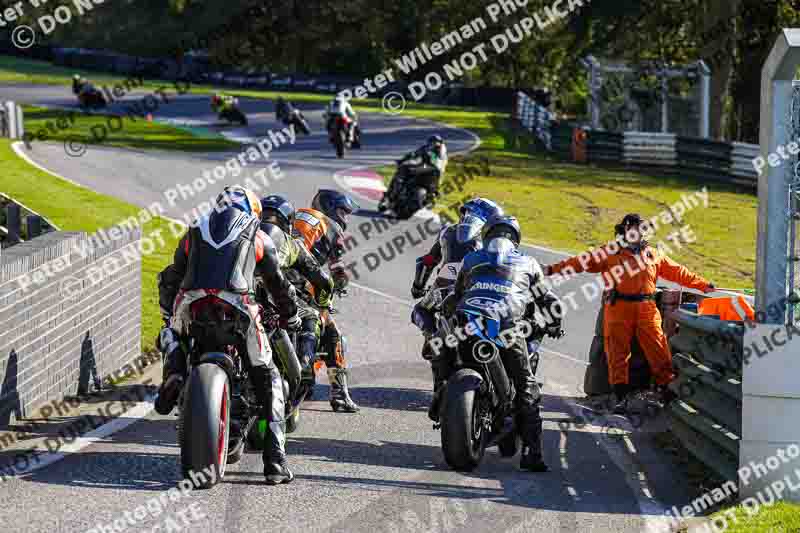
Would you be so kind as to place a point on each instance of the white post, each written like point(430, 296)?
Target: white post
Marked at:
point(16, 126)
point(770, 387)
point(772, 262)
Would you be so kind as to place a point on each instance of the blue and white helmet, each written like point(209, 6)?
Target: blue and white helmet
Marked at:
point(479, 210)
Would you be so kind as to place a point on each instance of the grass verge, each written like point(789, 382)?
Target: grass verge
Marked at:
point(37, 189)
point(780, 517)
point(127, 132)
point(572, 207)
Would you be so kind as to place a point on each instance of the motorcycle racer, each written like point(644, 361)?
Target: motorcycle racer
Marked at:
point(340, 106)
point(322, 228)
point(454, 242)
point(277, 221)
point(221, 256)
point(498, 279)
point(429, 173)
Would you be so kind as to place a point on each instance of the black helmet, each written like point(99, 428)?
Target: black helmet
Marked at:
point(502, 226)
point(435, 139)
point(279, 211)
point(631, 219)
point(335, 205)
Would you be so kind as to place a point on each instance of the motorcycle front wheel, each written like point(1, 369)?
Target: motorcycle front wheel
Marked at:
point(463, 435)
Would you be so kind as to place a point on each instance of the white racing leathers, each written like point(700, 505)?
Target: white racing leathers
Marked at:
point(259, 351)
point(221, 257)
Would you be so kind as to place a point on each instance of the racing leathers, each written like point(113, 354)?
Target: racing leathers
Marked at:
point(222, 103)
point(338, 108)
point(452, 245)
point(302, 269)
point(324, 238)
point(283, 110)
point(500, 283)
point(428, 174)
point(220, 257)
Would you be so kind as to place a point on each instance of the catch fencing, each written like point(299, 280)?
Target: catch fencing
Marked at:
point(707, 416)
point(689, 157)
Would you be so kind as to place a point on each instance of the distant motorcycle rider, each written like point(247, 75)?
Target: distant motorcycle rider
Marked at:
point(283, 109)
point(78, 82)
point(454, 242)
point(500, 278)
point(222, 102)
point(221, 256)
point(340, 106)
point(429, 173)
point(322, 229)
point(277, 221)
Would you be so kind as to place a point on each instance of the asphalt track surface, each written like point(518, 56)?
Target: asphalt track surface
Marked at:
point(377, 471)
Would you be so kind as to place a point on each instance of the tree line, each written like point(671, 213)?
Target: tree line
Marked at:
point(362, 37)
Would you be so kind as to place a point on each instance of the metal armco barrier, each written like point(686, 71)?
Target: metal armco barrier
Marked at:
point(707, 416)
point(535, 118)
point(604, 146)
point(687, 156)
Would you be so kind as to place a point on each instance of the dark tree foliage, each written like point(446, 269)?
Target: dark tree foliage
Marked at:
point(362, 37)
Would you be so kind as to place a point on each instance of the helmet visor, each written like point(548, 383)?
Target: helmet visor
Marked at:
point(474, 211)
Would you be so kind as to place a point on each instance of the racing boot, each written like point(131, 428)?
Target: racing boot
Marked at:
point(340, 395)
point(532, 461)
point(268, 386)
point(276, 467)
point(174, 373)
point(436, 401)
point(531, 431)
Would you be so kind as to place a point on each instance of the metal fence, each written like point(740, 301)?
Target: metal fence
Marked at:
point(535, 118)
point(19, 224)
point(707, 417)
point(691, 157)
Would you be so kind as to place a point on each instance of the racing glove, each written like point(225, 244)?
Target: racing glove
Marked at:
point(417, 292)
point(292, 323)
point(555, 331)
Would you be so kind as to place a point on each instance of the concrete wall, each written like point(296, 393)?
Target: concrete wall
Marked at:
point(770, 407)
point(70, 314)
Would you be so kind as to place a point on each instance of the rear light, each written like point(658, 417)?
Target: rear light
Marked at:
point(212, 308)
point(344, 121)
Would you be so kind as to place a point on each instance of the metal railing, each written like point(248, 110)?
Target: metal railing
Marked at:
point(707, 416)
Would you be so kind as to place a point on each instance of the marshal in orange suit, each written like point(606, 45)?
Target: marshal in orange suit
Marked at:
point(630, 277)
